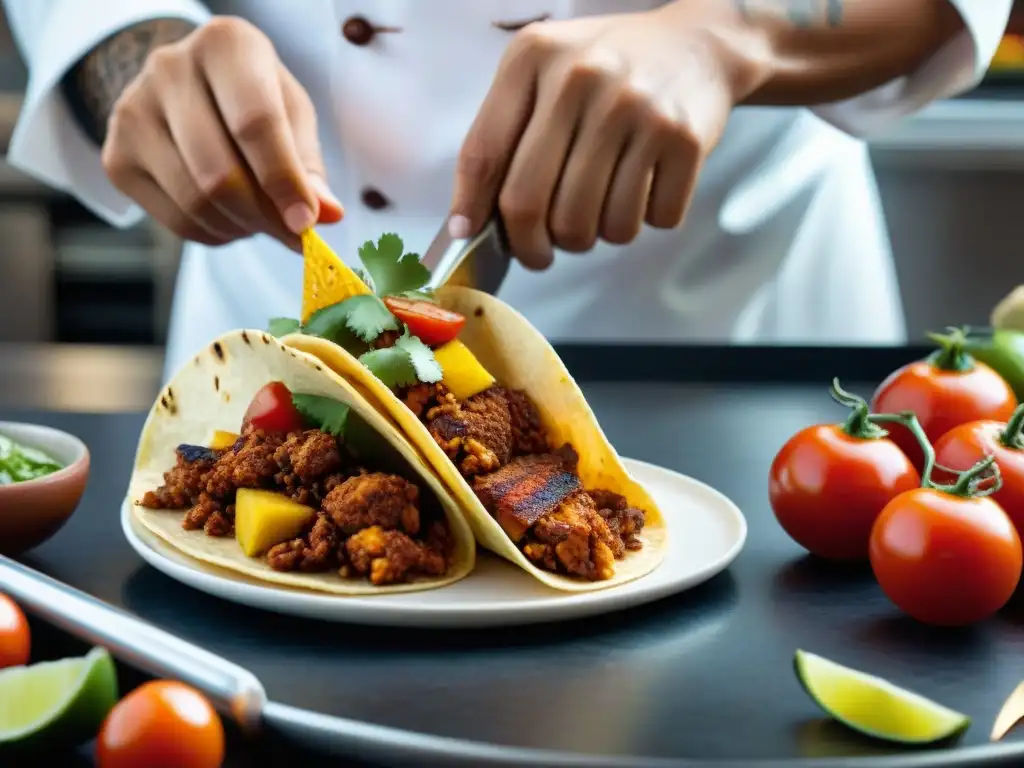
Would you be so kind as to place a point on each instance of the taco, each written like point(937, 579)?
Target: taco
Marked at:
point(490, 406)
point(258, 459)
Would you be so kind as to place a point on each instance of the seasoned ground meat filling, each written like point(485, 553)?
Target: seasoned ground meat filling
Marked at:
point(497, 441)
point(368, 524)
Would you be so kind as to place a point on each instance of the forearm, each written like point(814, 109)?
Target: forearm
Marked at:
point(93, 86)
point(808, 52)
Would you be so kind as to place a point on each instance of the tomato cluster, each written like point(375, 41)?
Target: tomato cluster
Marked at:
point(161, 723)
point(926, 483)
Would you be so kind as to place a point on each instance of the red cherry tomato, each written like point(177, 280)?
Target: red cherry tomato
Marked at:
point(161, 724)
point(15, 638)
point(948, 389)
point(964, 446)
point(943, 559)
point(826, 488)
point(433, 325)
point(272, 409)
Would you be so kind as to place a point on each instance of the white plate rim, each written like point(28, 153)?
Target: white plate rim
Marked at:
point(375, 611)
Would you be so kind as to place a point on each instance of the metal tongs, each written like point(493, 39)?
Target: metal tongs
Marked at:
point(479, 262)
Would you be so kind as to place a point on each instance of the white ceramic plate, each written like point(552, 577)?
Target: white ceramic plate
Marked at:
point(706, 533)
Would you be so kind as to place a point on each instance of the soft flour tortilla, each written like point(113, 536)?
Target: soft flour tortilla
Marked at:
point(520, 358)
point(212, 392)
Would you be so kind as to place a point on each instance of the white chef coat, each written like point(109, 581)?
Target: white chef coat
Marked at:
point(785, 240)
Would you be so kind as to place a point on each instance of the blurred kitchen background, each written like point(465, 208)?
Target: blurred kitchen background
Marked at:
point(952, 182)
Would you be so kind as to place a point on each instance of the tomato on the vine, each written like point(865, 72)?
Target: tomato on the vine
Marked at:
point(964, 446)
point(947, 555)
point(272, 409)
point(830, 482)
point(15, 639)
point(945, 390)
point(161, 724)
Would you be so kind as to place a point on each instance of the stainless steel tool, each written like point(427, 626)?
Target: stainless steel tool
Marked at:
point(236, 692)
point(480, 262)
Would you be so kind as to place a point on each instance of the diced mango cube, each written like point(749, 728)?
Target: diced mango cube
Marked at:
point(463, 374)
point(266, 518)
point(326, 279)
point(222, 440)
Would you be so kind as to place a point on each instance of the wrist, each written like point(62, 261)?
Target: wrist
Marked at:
point(743, 51)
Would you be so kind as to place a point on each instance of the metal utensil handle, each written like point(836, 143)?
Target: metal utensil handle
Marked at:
point(232, 689)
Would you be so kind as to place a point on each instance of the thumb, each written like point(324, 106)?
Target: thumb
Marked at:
point(302, 115)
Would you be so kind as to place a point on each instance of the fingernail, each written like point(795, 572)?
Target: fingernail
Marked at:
point(459, 227)
point(299, 217)
point(323, 191)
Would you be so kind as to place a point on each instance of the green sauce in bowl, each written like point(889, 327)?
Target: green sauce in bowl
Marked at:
point(19, 463)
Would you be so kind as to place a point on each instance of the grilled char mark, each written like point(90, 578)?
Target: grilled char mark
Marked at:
point(525, 490)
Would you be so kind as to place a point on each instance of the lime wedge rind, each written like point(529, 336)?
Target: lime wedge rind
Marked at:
point(900, 716)
point(75, 696)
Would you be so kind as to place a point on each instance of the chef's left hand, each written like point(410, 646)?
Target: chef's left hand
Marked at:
point(594, 126)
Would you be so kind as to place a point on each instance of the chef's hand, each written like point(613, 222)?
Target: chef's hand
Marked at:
point(593, 126)
point(218, 141)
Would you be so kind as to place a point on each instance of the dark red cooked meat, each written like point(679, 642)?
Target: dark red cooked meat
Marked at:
point(525, 490)
point(374, 499)
point(475, 434)
point(576, 539)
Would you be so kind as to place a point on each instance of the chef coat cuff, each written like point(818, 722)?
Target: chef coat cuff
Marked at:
point(47, 142)
point(954, 69)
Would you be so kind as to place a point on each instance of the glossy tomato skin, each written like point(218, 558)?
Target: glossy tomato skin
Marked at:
point(945, 560)
point(272, 409)
point(15, 637)
point(826, 488)
point(942, 400)
point(964, 446)
point(161, 724)
point(433, 325)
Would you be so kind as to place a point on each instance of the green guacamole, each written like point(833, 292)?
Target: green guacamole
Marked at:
point(19, 462)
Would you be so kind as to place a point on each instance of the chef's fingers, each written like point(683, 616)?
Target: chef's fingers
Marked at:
point(302, 115)
point(240, 66)
point(208, 153)
point(675, 176)
point(147, 192)
point(532, 183)
point(491, 141)
point(138, 145)
point(575, 217)
point(625, 206)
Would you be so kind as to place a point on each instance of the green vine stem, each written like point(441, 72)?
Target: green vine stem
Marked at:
point(952, 353)
point(858, 424)
point(1011, 437)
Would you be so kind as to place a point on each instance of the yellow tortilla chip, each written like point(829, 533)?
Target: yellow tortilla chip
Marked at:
point(326, 279)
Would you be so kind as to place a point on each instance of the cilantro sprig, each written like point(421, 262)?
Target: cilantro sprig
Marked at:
point(358, 321)
point(327, 414)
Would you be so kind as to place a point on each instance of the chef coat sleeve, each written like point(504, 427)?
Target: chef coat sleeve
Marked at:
point(52, 36)
point(956, 68)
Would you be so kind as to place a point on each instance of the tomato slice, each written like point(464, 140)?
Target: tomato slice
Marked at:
point(272, 410)
point(433, 325)
point(14, 634)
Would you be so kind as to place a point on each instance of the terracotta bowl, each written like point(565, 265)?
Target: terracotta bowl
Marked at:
point(32, 511)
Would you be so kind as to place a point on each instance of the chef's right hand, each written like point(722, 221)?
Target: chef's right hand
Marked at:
point(218, 141)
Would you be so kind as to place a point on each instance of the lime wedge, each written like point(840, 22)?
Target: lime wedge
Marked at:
point(875, 706)
point(61, 701)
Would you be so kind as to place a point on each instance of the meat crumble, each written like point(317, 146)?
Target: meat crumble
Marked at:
point(368, 524)
point(530, 487)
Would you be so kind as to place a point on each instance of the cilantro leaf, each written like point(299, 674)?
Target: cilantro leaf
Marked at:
point(428, 370)
point(391, 365)
point(391, 270)
point(408, 362)
point(368, 318)
point(425, 295)
point(327, 414)
point(356, 319)
point(282, 326)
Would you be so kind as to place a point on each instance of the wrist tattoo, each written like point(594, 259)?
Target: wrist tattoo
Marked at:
point(94, 84)
point(801, 13)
